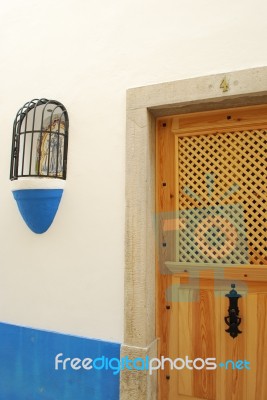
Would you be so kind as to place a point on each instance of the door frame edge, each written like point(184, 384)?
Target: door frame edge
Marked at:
point(144, 105)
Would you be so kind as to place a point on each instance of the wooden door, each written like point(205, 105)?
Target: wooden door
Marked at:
point(211, 233)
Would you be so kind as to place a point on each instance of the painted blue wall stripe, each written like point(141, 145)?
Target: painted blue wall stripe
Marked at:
point(27, 359)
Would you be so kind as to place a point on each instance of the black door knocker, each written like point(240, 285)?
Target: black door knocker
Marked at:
point(233, 320)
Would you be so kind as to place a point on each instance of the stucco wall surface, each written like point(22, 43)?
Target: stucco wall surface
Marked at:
point(86, 54)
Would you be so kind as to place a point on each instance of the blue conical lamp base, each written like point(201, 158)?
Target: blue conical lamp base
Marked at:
point(38, 206)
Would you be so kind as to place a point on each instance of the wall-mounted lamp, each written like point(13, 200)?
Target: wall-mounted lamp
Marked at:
point(39, 161)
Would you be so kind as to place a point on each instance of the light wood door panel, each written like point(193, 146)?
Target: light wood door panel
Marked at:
point(193, 328)
point(197, 329)
point(191, 305)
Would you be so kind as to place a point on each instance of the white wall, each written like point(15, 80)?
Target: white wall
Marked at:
point(86, 54)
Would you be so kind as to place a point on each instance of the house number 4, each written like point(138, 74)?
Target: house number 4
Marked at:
point(224, 85)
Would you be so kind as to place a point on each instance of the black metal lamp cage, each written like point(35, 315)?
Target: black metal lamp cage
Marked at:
point(40, 140)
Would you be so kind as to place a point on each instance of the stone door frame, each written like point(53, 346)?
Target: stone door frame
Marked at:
point(144, 105)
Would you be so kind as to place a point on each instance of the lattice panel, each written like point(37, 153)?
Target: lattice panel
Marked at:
point(222, 197)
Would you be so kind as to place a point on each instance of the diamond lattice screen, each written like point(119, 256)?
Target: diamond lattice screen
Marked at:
point(222, 197)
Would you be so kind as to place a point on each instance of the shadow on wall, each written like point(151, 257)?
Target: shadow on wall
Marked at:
point(28, 366)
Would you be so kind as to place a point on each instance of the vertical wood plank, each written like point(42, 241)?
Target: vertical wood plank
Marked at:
point(180, 344)
point(261, 381)
point(251, 332)
point(204, 340)
point(165, 203)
